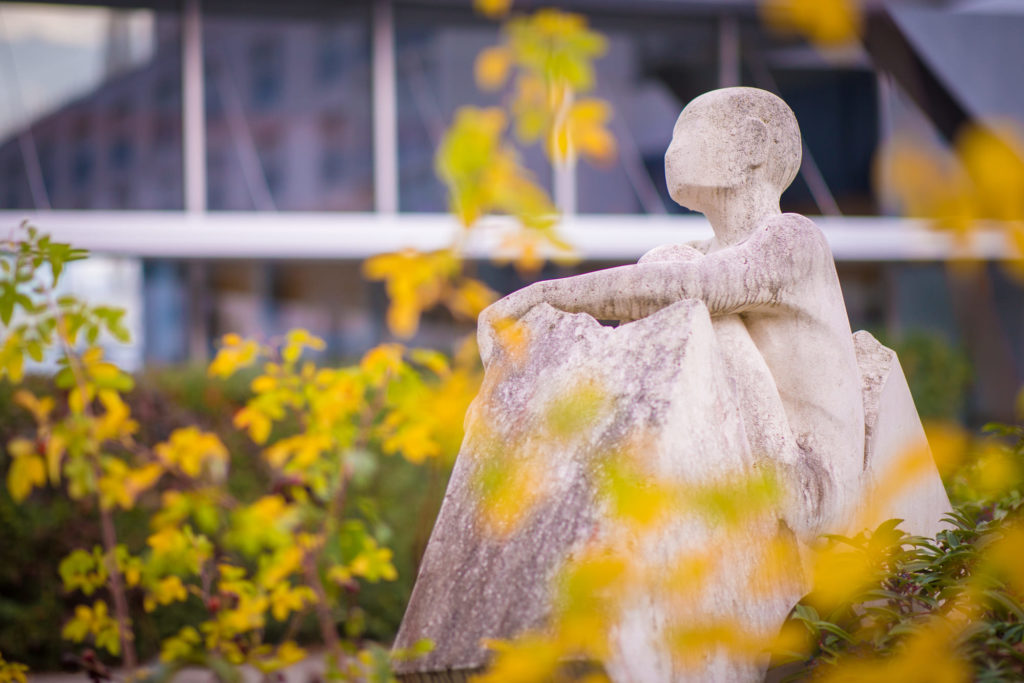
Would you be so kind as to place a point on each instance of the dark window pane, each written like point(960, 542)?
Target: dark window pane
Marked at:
point(90, 108)
point(287, 89)
point(653, 67)
point(435, 54)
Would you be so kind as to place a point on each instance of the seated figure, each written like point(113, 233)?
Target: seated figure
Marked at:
point(736, 356)
point(770, 285)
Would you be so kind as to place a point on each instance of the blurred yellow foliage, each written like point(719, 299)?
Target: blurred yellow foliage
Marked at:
point(12, 672)
point(234, 354)
point(826, 23)
point(415, 281)
point(191, 451)
point(94, 621)
point(27, 469)
point(493, 8)
point(928, 655)
point(492, 67)
point(980, 183)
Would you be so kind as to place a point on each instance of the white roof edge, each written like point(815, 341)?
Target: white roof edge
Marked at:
point(268, 235)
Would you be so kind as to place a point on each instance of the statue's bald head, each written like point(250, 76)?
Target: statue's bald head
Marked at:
point(724, 136)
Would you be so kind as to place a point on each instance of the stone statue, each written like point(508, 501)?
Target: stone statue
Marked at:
point(736, 353)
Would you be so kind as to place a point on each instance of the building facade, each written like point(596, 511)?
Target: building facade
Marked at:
point(247, 156)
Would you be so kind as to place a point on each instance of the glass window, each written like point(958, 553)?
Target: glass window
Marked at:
point(652, 68)
point(836, 102)
point(273, 77)
point(435, 52)
point(90, 101)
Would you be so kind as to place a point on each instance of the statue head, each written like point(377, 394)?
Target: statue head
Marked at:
point(733, 139)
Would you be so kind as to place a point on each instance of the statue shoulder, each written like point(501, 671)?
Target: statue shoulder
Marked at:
point(689, 251)
point(794, 231)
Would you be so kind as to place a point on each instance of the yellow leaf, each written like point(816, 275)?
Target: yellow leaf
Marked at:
point(25, 473)
point(382, 363)
point(435, 361)
point(167, 590)
point(235, 353)
point(39, 407)
point(191, 451)
point(12, 358)
point(492, 8)
point(532, 657)
point(826, 23)
point(115, 423)
point(492, 67)
point(590, 136)
point(55, 448)
point(297, 340)
point(257, 423)
point(12, 672)
point(993, 159)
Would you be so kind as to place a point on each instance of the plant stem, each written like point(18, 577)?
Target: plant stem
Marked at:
point(117, 591)
point(323, 612)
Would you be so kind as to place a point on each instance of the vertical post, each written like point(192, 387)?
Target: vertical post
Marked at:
point(385, 110)
point(729, 74)
point(564, 172)
point(193, 114)
point(193, 137)
point(565, 186)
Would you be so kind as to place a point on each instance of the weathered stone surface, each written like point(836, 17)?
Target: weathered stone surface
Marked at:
point(735, 355)
point(900, 477)
point(663, 377)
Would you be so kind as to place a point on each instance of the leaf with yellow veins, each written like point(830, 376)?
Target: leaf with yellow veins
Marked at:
point(492, 67)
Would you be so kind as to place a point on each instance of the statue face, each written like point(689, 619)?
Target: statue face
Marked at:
point(709, 153)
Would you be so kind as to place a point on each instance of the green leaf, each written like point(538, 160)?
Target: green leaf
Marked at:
point(35, 350)
point(8, 297)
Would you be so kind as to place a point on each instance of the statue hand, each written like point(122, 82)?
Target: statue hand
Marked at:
point(501, 313)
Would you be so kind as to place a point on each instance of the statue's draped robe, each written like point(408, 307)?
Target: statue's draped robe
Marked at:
point(667, 382)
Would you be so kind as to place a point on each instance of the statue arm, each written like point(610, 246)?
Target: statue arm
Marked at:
point(624, 293)
point(744, 277)
point(757, 273)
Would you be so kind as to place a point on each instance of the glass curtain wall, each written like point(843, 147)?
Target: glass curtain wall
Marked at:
point(90, 116)
point(288, 106)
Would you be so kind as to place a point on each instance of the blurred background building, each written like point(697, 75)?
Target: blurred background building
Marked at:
point(232, 163)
